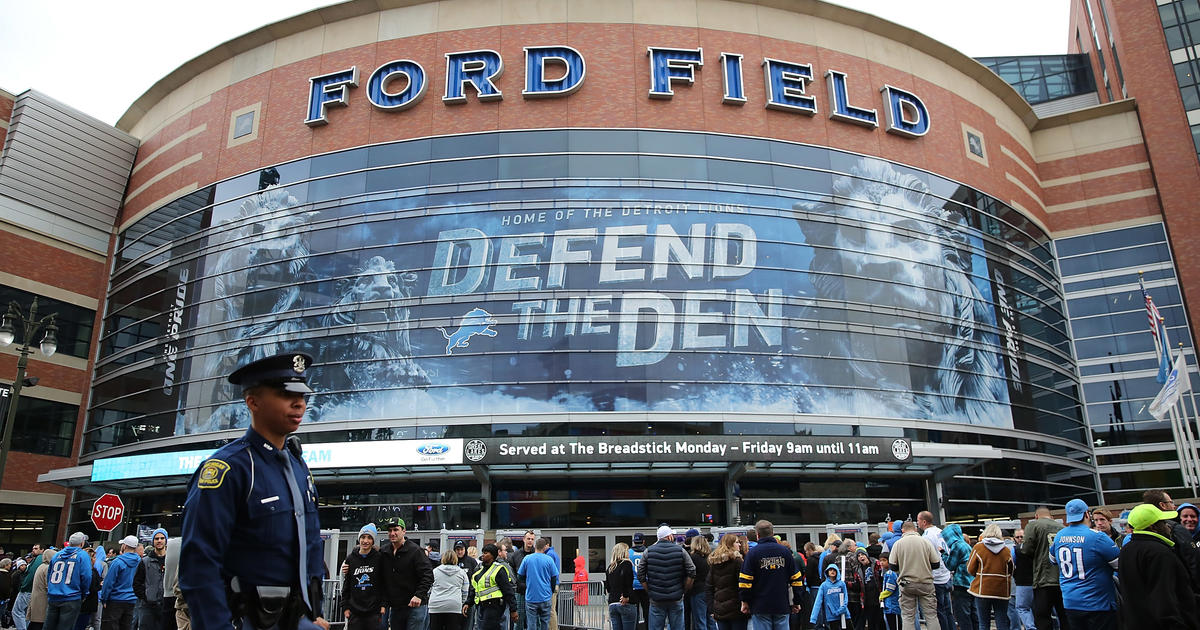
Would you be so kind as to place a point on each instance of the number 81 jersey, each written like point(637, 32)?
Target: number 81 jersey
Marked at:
point(1085, 561)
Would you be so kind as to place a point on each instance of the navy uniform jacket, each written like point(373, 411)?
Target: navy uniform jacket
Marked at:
point(238, 522)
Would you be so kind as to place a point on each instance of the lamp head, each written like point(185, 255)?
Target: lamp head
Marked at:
point(49, 343)
point(6, 329)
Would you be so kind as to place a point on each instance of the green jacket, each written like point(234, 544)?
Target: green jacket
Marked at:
point(27, 581)
point(1038, 535)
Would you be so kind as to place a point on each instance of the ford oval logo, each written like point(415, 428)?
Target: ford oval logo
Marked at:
point(432, 449)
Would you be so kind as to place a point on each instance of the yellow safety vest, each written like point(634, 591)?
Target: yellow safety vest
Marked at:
point(484, 583)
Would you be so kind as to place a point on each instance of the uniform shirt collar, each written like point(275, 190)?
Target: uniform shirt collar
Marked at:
point(258, 441)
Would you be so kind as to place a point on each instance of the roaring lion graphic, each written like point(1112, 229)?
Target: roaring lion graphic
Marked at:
point(883, 239)
point(368, 347)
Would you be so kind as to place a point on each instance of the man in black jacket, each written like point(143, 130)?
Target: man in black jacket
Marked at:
point(1183, 548)
point(407, 577)
point(363, 583)
point(1154, 583)
point(514, 560)
point(668, 573)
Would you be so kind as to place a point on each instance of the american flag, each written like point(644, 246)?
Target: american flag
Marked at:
point(1158, 329)
point(1151, 313)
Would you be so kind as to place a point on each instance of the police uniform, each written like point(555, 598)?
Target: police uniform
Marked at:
point(251, 544)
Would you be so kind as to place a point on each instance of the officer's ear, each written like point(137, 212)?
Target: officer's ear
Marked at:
point(251, 396)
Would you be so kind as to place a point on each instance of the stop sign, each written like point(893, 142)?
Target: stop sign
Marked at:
point(107, 512)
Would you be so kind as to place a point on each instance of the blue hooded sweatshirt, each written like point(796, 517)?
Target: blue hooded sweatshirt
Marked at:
point(70, 575)
point(830, 602)
point(118, 582)
point(958, 554)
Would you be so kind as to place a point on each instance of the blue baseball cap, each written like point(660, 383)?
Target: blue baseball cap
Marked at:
point(1076, 508)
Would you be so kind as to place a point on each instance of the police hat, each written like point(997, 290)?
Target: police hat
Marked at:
point(285, 371)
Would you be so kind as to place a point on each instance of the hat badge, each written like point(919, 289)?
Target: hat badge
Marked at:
point(298, 364)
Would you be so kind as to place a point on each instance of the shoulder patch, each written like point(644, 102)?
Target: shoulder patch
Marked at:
point(212, 474)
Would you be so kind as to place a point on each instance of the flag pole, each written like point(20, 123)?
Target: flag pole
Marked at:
point(1158, 330)
point(1189, 436)
point(1178, 425)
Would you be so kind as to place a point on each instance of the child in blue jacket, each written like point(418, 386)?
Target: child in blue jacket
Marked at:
point(829, 606)
point(890, 597)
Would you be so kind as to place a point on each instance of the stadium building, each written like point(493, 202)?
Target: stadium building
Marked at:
point(590, 267)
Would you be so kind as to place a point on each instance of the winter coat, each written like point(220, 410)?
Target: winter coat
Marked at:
point(450, 588)
point(701, 562)
point(581, 577)
point(991, 567)
point(364, 590)
point(723, 590)
point(771, 582)
point(1038, 534)
point(664, 569)
point(148, 579)
point(5, 585)
point(406, 573)
point(1023, 568)
point(92, 601)
point(1155, 586)
point(812, 570)
point(958, 553)
point(118, 582)
point(830, 603)
point(39, 597)
point(618, 581)
point(872, 578)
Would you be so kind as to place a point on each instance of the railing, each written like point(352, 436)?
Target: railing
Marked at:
point(331, 591)
point(583, 609)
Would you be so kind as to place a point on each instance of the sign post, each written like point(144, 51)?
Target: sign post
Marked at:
point(107, 512)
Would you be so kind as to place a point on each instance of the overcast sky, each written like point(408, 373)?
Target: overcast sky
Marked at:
point(100, 56)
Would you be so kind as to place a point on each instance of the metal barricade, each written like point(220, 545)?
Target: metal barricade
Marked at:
point(331, 592)
point(583, 608)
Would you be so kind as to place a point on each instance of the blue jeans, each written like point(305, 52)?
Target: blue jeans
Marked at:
point(623, 616)
point(405, 618)
point(520, 608)
point(62, 615)
point(964, 608)
point(945, 608)
point(768, 622)
point(1025, 607)
point(986, 607)
point(669, 614)
point(1014, 620)
point(699, 604)
point(20, 610)
point(537, 615)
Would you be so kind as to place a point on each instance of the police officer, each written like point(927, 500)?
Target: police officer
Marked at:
point(251, 544)
point(492, 590)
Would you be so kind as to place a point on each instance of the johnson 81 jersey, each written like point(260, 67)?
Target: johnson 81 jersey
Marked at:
point(1085, 572)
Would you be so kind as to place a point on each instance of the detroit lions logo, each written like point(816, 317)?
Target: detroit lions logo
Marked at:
point(476, 322)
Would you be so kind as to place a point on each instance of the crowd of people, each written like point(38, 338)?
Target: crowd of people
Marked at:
point(81, 586)
point(1081, 574)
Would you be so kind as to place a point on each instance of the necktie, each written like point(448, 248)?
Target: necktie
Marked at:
point(298, 506)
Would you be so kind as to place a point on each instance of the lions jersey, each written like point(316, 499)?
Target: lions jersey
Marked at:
point(1085, 574)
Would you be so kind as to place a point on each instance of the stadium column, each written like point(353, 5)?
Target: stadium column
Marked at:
point(485, 495)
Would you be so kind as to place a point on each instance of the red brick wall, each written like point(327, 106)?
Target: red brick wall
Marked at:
point(6, 108)
point(613, 95)
point(1150, 79)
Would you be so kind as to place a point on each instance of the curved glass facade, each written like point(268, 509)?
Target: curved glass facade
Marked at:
point(517, 273)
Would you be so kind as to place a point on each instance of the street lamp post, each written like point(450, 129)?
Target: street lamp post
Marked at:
point(29, 327)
